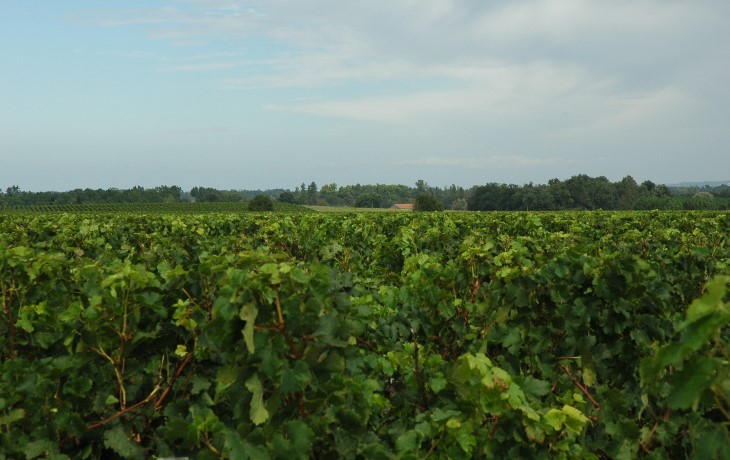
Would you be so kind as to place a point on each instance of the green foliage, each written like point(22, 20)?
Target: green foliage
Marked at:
point(261, 203)
point(427, 203)
point(368, 200)
point(694, 371)
point(395, 335)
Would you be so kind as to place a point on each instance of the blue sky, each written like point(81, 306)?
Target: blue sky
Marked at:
point(272, 93)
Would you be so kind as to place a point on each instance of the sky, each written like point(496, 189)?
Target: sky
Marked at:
point(271, 93)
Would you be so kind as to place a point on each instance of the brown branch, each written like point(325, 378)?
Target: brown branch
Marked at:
point(581, 387)
point(280, 313)
point(300, 403)
point(211, 447)
point(124, 411)
point(433, 446)
point(178, 372)
point(494, 427)
point(475, 289)
point(282, 327)
point(7, 304)
point(419, 378)
point(648, 438)
point(190, 298)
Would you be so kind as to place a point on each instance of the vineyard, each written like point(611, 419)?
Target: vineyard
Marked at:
point(174, 207)
point(347, 335)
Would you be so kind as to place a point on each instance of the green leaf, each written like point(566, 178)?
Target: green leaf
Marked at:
point(465, 437)
point(295, 379)
point(226, 377)
point(224, 307)
point(248, 314)
point(39, 448)
point(258, 412)
point(535, 388)
point(555, 419)
point(710, 302)
point(301, 436)
point(199, 384)
point(120, 442)
point(239, 449)
point(437, 383)
point(407, 442)
point(574, 419)
point(12, 416)
point(699, 332)
point(712, 444)
point(689, 384)
point(181, 351)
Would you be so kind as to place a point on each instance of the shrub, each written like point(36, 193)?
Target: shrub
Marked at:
point(427, 203)
point(261, 203)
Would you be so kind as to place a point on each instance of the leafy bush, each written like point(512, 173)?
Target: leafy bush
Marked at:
point(693, 373)
point(427, 203)
point(261, 203)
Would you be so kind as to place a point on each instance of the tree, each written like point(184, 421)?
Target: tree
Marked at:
point(312, 193)
point(459, 204)
point(261, 203)
point(368, 200)
point(560, 194)
point(485, 197)
point(12, 191)
point(286, 197)
point(628, 192)
point(427, 203)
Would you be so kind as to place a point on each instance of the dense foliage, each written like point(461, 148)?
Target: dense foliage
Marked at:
point(501, 335)
point(427, 203)
point(580, 192)
point(157, 208)
point(261, 203)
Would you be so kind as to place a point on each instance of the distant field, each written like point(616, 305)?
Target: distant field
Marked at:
point(177, 207)
point(351, 209)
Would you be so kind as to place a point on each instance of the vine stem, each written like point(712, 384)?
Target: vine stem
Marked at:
point(645, 443)
point(282, 326)
point(125, 410)
point(7, 303)
point(211, 447)
point(494, 427)
point(433, 446)
point(581, 387)
point(117, 373)
point(719, 405)
point(419, 378)
point(178, 373)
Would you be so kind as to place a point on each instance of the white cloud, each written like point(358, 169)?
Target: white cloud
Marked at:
point(560, 74)
point(492, 160)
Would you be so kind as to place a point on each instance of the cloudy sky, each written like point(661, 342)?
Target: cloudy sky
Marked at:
point(273, 93)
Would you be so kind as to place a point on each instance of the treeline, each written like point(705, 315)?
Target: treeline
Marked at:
point(14, 196)
point(580, 192)
point(374, 196)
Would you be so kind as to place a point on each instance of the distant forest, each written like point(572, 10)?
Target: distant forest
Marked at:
point(580, 192)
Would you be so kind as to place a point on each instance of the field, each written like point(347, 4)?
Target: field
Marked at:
point(165, 208)
point(364, 335)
